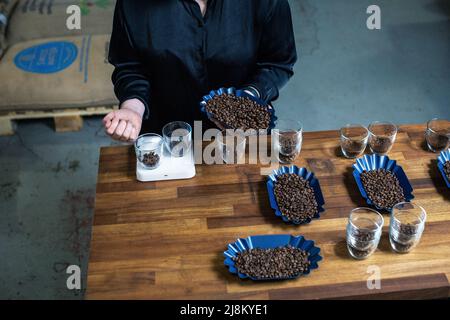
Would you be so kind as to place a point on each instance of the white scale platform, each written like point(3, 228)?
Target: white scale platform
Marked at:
point(170, 168)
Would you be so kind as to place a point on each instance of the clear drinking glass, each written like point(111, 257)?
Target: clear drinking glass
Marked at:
point(149, 148)
point(354, 139)
point(406, 226)
point(231, 146)
point(288, 136)
point(438, 134)
point(363, 232)
point(178, 138)
point(382, 136)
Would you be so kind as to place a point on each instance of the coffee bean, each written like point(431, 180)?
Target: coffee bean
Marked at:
point(447, 169)
point(238, 112)
point(382, 188)
point(278, 263)
point(295, 197)
point(151, 159)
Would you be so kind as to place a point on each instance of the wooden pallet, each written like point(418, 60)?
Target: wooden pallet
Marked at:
point(65, 120)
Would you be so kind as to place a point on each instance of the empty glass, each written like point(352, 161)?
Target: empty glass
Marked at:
point(231, 146)
point(148, 149)
point(438, 134)
point(288, 136)
point(354, 139)
point(406, 226)
point(178, 138)
point(382, 136)
point(363, 232)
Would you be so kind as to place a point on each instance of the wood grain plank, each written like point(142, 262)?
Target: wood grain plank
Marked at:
point(433, 286)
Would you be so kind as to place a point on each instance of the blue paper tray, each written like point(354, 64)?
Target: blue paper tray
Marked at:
point(238, 93)
point(305, 174)
point(374, 162)
point(442, 159)
point(271, 241)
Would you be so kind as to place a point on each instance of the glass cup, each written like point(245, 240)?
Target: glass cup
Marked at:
point(382, 136)
point(178, 138)
point(288, 137)
point(406, 226)
point(438, 134)
point(231, 146)
point(354, 139)
point(363, 232)
point(149, 148)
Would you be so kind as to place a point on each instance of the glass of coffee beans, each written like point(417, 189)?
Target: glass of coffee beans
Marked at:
point(406, 226)
point(149, 149)
point(438, 134)
point(382, 136)
point(363, 232)
point(178, 138)
point(231, 146)
point(354, 139)
point(288, 138)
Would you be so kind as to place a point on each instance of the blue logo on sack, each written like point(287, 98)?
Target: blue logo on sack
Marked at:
point(48, 57)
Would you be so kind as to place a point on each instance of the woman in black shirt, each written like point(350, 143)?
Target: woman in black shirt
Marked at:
point(169, 53)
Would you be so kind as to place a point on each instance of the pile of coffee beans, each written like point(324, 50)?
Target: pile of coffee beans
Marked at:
point(447, 169)
point(380, 145)
point(150, 159)
point(290, 143)
point(361, 244)
point(364, 235)
point(238, 112)
point(353, 149)
point(279, 263)
point(295, 197)
point(382, 188)
point(405, 237)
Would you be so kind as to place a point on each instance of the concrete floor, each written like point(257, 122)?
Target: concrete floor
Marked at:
point(346, 73)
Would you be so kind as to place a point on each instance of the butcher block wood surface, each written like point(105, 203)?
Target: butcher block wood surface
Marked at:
point(165, 240)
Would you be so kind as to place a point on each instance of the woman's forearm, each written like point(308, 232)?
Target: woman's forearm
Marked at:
point(130, 81)
point(277, 54)
point(135, 105)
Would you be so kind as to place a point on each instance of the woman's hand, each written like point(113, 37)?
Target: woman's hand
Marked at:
point(125, 124)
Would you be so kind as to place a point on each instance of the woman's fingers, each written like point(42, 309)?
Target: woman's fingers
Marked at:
point(123, 125)
point(134, 134)
point(112, 128)
point(120, 129)
point(107, 120)
point(127, 132)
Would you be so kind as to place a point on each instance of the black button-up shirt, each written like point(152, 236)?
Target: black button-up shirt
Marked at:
point(168, 55)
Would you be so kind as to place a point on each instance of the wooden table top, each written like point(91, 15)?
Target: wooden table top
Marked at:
point(165, 240)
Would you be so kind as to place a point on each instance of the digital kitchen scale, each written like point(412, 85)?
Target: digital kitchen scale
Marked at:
point(170, 168)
